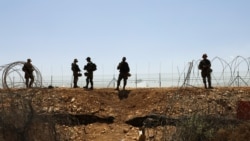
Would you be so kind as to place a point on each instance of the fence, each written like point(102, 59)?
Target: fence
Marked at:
point(233, 73)
point(197, 124)
point(151, 80)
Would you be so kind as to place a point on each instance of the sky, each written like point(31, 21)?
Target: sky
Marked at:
point(154, 35)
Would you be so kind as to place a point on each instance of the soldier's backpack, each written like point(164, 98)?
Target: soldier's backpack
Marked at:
point(24, 68)
point(93, 67)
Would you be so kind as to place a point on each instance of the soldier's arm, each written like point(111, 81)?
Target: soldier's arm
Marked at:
point(118, 67)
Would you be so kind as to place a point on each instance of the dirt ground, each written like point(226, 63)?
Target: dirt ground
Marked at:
point(68, 114)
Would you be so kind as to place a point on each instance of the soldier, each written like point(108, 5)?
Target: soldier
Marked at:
point(124, 73)
point(90, 68)
point(28, 73)
point(76, 72)
point(205, 67)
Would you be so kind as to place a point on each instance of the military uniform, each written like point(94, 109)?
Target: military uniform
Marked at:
point(89, 74)
point(205, 67)
point(124, 73)
point(75, 68)
point(28, 73)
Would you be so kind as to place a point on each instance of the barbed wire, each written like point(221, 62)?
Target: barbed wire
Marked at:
point(228, 73)
point(12, 75)
point(30, 124)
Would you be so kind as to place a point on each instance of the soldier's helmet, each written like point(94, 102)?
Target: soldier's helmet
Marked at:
point(204, 55)
point(123, 58)
point(88, 58)
point(75, 60)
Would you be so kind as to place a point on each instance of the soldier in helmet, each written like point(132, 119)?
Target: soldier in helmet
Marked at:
point(76, 72)
point(90, 67)
point(124, 73)
point(28, 73)
point(205, 67)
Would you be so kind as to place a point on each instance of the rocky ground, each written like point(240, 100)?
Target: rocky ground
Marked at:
point(68, 114)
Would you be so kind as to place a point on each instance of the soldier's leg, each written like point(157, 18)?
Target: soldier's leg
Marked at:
point(209, 81)
point(204, 82)
point(204, 79)
point(31, 80)
point(26, 80)
point(91, 81)
point(75, 81)
point(87, 82)
point(119, 81)
point(124, 82)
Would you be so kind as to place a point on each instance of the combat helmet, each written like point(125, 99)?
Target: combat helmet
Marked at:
point(75, 60)
point(204, 55)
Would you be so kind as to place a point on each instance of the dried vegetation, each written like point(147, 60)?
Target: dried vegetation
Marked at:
point(63, 114)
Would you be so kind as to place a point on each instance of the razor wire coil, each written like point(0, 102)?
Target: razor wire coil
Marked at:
point(13, 71)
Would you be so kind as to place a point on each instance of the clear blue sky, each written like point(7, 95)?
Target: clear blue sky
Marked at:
point(154, 35)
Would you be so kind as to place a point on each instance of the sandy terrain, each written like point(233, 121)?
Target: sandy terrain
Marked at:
point(107, 115)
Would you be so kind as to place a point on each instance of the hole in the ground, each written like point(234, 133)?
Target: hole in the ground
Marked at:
point(152, 120)
point(155, 120)
point(72, 120)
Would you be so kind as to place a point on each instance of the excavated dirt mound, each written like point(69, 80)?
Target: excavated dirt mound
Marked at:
point(66, 114)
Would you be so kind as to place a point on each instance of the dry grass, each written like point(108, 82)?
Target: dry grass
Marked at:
point(191, 106)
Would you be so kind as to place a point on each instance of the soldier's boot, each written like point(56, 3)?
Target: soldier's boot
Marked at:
point(87, 85)
point(118, 85)
point(123, 88)
point(31, 82)
point(27, 83)
point(209, 85)
point(124, 85)
point(30, 85)
point(91, 85)
point(205, 85)
point(75, 85)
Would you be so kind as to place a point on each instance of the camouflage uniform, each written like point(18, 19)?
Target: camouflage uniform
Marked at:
point(75, 68)
point(89, 73)
point(205, 67)
point(28, 70)
point(124, 73)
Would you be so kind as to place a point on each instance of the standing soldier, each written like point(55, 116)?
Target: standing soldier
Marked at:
point(90, 68)
point(28, 73)
point(124, 73)
point(76, 72)
point(205, 67)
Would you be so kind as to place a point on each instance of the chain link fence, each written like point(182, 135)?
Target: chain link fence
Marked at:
point(196, 118)
point(233, 73)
